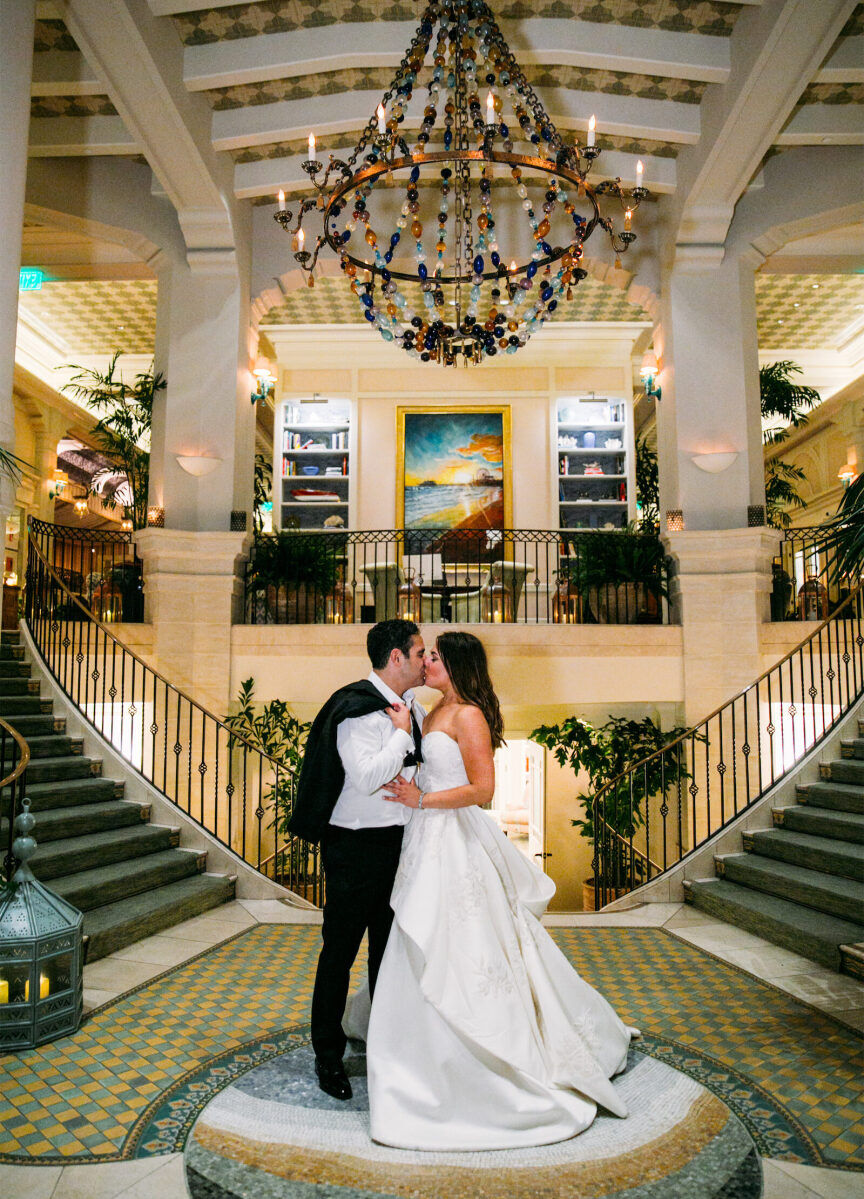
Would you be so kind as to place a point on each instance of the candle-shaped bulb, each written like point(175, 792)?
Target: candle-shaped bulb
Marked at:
point(301, 237)
point(281, 200)
point(628, 220)
point(513, 267)
point(490, 109)
point(382, 119)
point(311, 145)
point(592, 127)
point(639, 171)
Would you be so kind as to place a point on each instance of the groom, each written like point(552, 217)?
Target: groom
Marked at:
point(366, 734)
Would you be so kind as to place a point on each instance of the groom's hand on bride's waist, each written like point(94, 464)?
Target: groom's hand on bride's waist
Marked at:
point(400, 714)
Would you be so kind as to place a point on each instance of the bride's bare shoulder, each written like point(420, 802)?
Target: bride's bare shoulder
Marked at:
point(470, 721)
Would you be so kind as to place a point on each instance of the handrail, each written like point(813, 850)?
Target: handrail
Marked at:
point(14, 781)
point(216, 775)
point(100, 566)
point(735, 740)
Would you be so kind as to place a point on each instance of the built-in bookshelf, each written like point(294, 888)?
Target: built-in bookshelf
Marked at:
point(594, 463)
point(312, 464)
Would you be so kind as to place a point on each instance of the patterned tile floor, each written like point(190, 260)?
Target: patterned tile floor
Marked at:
point(146, 1063)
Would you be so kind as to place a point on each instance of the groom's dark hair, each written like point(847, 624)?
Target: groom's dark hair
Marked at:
point(386, 636)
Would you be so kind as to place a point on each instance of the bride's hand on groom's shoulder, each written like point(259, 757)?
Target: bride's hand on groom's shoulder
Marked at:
point(400, 790)
point(400, 715)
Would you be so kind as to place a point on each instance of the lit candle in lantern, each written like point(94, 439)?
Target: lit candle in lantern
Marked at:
point(490, 109)
point(281, 200)
point(311, 145)
point(43, 988)
point(628, 220)
point(498, 616)
point(639, 170)
point(4, 991)
point(592, 126)
point(382, 119)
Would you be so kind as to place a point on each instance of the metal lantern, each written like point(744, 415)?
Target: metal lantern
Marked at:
point(41, 955)
point(409, 598)
point(566, 603)
point(339, 605)
point(498, 603)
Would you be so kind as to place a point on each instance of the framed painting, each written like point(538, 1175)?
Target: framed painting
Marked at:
point(453, 468)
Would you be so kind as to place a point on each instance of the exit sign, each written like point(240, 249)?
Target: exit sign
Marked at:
point(29, 279)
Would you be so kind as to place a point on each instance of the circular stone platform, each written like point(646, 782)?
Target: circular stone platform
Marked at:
point(271, 1134)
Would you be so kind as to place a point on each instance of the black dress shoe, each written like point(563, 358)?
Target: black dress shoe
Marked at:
point(333, 1080)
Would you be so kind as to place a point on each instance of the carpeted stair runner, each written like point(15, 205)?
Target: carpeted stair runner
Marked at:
point(97, 849)
point(800, 884)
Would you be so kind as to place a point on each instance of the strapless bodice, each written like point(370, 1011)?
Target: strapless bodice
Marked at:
point(442, 766)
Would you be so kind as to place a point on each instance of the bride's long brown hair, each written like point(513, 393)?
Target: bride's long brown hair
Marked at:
point(464, 660)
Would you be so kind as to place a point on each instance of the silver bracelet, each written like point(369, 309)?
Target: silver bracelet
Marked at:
point(423, 795)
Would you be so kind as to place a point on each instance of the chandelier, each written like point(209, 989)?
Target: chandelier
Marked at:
point(454, 293)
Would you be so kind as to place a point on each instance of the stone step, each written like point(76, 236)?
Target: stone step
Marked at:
point(60, 858)
point(49, 745)
point(116, 925)
point(853, 748)
point(68, 793)
point(13, 669)
point(16, 685)
point(10, 637)
point(57, 823)
point(820, 822)
point(61, 768)
point(832, 893)
point(852, 958)
point(11, 652)
point(841, 796)
point(814, 935)
point(802, 849)
point(29, 725)
point(23, 705)
point(843, 771)
point(109, 884)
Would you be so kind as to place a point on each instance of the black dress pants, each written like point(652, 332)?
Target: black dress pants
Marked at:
point(359, 870)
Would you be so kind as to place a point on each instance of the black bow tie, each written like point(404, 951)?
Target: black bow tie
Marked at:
point(416, 756)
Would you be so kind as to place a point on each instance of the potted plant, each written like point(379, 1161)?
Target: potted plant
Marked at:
point(295, 572)
point(604, 752)
point(621, 576)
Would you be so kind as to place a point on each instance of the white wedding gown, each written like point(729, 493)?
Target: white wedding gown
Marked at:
point(482, 1035)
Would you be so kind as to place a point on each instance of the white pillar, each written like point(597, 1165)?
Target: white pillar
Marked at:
point(16, 60)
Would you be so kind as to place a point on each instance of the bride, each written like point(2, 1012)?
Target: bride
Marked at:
point(481, 1035)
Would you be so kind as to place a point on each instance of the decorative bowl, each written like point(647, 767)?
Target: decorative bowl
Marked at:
point(310, 470)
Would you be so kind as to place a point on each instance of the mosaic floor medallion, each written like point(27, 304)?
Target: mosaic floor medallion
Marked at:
point(271, 1134)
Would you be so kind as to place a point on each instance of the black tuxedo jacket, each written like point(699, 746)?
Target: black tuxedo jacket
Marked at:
point(322, 775)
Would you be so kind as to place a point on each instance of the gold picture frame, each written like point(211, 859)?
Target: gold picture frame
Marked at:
point(451, 426)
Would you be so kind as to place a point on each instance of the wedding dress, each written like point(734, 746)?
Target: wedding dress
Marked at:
point(482, 1035)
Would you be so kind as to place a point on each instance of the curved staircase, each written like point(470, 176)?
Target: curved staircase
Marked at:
point(96, 849)
point(800, 884)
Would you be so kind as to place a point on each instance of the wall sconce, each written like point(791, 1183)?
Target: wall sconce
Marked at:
point(10, 580)
point(648, 372)
point(57, 484)
point(847, 475)
point(81, 506)
point(265, 378)
point(197, 464)
point(715, 464)
point(125, 526)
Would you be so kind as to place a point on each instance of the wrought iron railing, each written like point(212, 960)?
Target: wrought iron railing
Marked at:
point(461, 576)
point(14, 759)
point(217, 777)
point(806, 585)
point(669, 804)
point(100, 568)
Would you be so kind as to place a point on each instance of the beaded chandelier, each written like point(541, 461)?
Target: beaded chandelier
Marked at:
point(470, 297)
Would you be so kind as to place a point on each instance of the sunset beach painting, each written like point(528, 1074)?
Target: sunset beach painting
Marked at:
point(454, 468)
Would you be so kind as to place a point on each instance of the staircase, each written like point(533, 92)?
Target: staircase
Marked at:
point(96, 849)
point(800, 884)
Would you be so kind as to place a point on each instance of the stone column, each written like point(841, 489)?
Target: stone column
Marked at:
point(16, 60)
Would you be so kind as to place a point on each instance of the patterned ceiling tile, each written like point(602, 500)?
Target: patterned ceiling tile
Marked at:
point(808, 312)
point(376, 79)
point(331, 302)
point(710, 17)
point(72, 106)
point(53, 35)
point(97, 317)
point(833, 93)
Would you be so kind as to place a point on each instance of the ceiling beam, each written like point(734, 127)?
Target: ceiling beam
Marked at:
point(63, 73)
point(776, 50)
point(824, 124)
point(261, 124)
point(382, 44)
point(61, 137)
point(845, 63)
point(268, 175)
point(140, 61)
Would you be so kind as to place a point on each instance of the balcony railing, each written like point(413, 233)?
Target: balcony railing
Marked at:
point(806, 585)
point(100, 568)
point(463, 576)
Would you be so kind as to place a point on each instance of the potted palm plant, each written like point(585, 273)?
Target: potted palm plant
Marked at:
point(604, 752)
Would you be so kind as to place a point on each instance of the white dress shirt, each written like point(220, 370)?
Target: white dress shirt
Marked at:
point(372, 753)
